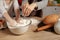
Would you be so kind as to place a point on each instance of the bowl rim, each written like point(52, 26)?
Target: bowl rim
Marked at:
point(9, 26)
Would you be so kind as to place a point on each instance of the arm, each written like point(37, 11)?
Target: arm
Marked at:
point(5, 14)
point(7, 17)
point(30, 7)
point(17, 13)
point(44, 27)
point(16, 9)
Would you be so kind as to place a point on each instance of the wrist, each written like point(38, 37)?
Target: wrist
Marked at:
point(34, 4)
point(16, 18)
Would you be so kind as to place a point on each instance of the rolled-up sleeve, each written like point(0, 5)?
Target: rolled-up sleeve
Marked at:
point(42, 4)
point(16, 5)
point(2, 8)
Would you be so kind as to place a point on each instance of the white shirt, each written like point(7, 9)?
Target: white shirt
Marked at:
point(4, 7)
point(42, 4)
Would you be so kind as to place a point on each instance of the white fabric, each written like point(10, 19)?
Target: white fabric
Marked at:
point(16, 5)
point(42, 4)
point(15, 24)
point(4, 7)
point(34, 21)
point(24, 22)
point(24, 1)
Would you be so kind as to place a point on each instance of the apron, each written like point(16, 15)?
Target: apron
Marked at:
point(35, 12)
point(10, 10)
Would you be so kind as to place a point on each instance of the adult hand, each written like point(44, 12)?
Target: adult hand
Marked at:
point(28, 8)
point(12, 22)
point(17, 19)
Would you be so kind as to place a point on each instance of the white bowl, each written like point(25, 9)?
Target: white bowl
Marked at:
point(18, 29)
point(57, 27)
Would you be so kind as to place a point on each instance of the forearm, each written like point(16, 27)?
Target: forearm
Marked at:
point(17, 13)
point(44, 27)
point(7, 17)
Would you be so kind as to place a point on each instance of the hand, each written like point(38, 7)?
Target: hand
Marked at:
point(18, 20)
point(24, 8)
point(36, 30)
point(12, 22)
point(27, 9)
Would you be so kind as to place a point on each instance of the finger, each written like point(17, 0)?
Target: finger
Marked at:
point(23, 8)
point(26, 8)
point(29, 11)
point(26, 12)
point(22, 11)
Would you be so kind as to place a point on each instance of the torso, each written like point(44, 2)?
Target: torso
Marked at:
point(9, 8)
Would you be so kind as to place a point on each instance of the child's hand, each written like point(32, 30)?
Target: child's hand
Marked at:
point(36, 30)
point(24, 8)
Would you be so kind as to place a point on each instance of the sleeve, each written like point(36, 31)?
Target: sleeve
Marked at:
point(2, 8)
point(42, 4)
point(16, 5)
point(24, 1)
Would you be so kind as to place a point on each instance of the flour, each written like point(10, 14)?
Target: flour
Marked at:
point(24, 22)
point(20, 27)
point(34, 22)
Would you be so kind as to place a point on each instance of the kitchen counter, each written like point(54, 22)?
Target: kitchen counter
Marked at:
point(29, 35)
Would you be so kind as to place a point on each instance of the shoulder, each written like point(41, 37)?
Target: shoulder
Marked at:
point(1, 2)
